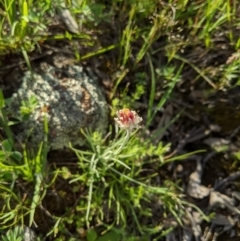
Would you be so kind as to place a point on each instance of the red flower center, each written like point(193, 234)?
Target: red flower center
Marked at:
point(126, 116)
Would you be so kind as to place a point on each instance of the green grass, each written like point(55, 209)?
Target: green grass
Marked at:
point(151, 43)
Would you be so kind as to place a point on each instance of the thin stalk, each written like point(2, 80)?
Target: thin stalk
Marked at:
point(128, 132)
point(90, 192)
point(153, 89)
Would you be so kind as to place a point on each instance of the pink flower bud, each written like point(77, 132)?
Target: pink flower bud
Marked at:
point(128, 119)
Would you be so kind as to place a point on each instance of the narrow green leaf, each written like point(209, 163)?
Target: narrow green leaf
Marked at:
point(2, 101)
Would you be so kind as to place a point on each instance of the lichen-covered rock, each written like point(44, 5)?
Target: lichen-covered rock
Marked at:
point(70, 99)
point(29, 234)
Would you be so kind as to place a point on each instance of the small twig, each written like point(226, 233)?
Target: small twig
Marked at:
point(49, 52)
point(208, 157)
point(45, 211)
point(192, 136)
point(57, 50)
point(235, 132)
point(230, 178)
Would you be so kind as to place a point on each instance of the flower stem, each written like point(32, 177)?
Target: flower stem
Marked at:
point(128, 132)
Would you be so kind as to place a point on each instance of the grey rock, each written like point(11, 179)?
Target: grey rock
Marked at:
point(70, 99)
point(67, 17)
point(29, 234)
point(69, 21)
point(195, 189)
point(223, 201)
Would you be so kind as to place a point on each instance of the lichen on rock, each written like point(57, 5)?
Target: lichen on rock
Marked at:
point(69, 97)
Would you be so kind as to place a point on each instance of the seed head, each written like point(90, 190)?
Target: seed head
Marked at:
point(128, 119)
